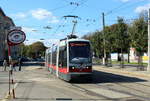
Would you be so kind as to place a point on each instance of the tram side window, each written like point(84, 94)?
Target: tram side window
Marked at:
point(63, 57)
point(54, 56)
point(49, 58)
point(60, 58)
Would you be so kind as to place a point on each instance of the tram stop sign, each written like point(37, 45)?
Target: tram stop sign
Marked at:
point(15, 37)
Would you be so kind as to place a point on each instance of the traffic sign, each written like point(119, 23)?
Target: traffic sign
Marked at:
point(15, 37)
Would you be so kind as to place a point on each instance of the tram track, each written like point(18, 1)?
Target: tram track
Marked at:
point(89, 92)
point(133, 83)
point(125, 85)
point(129, 87)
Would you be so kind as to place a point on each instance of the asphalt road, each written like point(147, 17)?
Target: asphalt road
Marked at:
point(34, 83)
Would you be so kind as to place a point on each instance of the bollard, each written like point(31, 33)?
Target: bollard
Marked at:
point(12, 80)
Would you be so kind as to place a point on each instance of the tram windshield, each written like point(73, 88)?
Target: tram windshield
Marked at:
point(79, 51)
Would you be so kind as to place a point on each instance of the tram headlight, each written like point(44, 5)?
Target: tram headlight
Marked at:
point(72, 67)
point(87, 67)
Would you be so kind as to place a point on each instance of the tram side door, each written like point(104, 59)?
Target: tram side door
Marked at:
point(57, 60)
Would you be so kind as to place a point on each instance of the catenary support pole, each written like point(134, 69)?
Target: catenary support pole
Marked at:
point(148, 67)
point(104, 57)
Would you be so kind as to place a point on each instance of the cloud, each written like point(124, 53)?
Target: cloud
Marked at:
point(47, 42)
point(19, 15)
point(28, 29)
point(142, 8)
point(41, 14)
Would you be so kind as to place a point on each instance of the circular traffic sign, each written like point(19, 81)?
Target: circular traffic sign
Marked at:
point(15, 37)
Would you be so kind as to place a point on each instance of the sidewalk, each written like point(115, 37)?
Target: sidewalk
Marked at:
point(4, 83)
point(127, 70)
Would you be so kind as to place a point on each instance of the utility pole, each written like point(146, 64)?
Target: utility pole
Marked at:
point(103, 20)
point(148, 68)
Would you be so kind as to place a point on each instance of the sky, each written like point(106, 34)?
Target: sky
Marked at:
point(43, 20)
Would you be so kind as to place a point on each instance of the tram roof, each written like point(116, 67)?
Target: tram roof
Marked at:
point(78, 40)
point(63, 42)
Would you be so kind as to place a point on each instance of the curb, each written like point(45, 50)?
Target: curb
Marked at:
point(117, 71)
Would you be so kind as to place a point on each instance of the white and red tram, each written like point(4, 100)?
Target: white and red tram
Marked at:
point(70, 58)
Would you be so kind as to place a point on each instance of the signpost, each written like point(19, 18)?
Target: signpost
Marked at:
point(14, 37)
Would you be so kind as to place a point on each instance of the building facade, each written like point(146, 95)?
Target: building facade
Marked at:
point(5, 24)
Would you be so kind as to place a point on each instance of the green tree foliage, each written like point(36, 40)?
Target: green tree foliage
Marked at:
point(120, 37)
point(34, 50)
point(97, 43)
point(138, 34)
point(96, 39)
point(23, 49)
point(139, 37)
point(110, 38)
point(116, 38)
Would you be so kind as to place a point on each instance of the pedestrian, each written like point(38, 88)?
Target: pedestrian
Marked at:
point(13, 66)
point(20, 63)
point(5, 65)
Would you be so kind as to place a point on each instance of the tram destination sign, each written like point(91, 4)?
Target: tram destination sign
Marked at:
point(15, 37)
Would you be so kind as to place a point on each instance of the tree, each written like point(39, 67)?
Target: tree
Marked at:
point(23, 50)
point(35, 50)
point(38, 49)
point(139, 37)
point(109, 42)
point(96, 39)
point(122, 38)
point(110, 37)
point(97, 43)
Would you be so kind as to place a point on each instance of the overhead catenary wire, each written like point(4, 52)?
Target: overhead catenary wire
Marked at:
point(59, 26)
point(116, 8)
point(60, 7)
point(122, 6)
point(64, 25)
point(81, 2)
